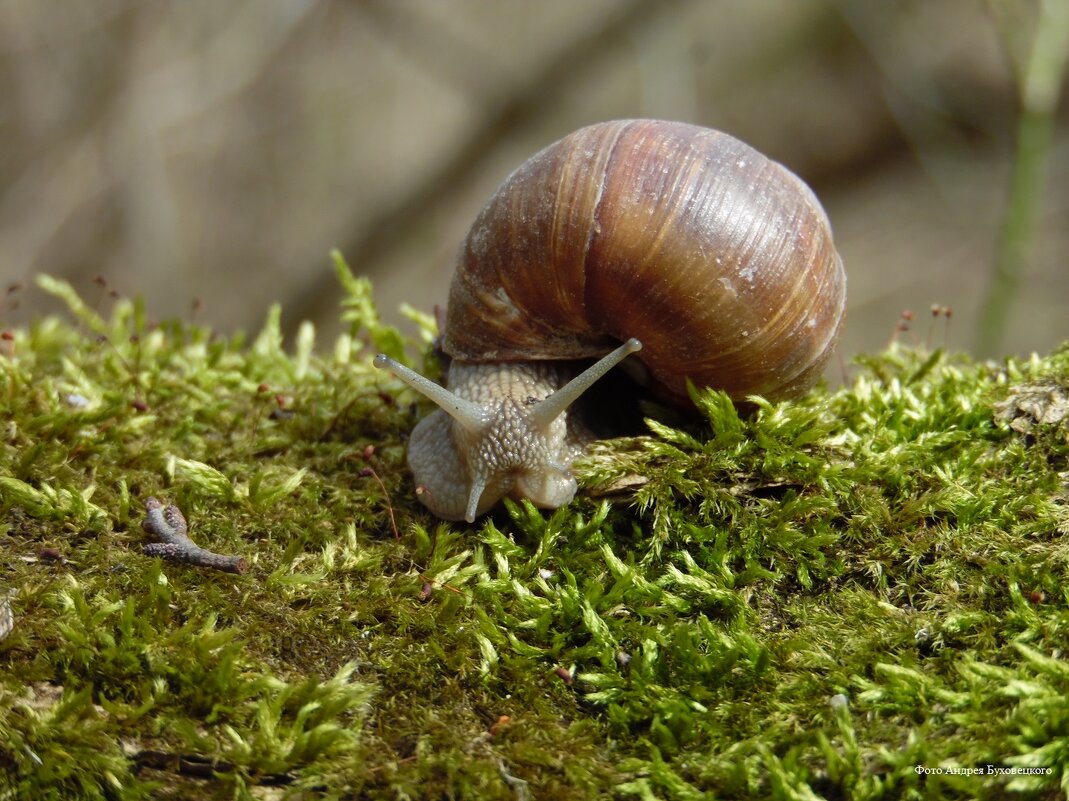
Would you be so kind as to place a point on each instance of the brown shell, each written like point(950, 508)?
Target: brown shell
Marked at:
point(718, 259)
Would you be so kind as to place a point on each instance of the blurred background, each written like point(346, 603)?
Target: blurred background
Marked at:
point(208, 156)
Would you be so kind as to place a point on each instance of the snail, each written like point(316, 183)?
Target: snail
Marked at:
point(707, 259)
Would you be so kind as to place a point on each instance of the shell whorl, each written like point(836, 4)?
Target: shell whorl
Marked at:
point(720, 260)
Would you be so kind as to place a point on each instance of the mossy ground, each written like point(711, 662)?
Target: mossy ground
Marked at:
point(863, 594)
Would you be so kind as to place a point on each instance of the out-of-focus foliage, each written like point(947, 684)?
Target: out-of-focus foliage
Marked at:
point(209, 154)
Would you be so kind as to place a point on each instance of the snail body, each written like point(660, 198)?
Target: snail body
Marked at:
point(717, 259)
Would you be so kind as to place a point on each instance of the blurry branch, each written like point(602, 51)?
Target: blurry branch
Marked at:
point(120, 127)
point(57, 173)
point(513, 108)
point(1039, 78)
point(231, 74)
point(427, 44)
point(912, 93)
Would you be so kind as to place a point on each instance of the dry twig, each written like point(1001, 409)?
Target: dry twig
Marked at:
point(169, 526)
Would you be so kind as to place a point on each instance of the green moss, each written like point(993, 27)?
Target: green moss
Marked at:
point(808, 600)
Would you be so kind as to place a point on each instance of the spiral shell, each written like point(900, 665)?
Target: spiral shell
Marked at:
point(718, 259)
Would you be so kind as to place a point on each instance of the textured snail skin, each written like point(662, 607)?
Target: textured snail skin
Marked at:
point(719, 260)
point(520, 460)
point(501, 429)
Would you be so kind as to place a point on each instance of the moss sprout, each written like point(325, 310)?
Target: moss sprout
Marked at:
point(860, 594)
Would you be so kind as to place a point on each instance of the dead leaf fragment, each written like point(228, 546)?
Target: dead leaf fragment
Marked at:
point(1044, 403)
point(621, 485)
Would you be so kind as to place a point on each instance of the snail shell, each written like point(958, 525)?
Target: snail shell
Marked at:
point(718, 259)
point(710, 261)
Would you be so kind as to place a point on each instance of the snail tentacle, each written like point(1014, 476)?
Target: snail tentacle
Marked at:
point(504, 444)
point(469, 415)
point(545, 411)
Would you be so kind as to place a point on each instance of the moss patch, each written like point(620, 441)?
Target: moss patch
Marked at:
point(861, 594)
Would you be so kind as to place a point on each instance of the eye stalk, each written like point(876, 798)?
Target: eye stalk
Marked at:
point(546, 411)
point(470, 415)
point(500, 444)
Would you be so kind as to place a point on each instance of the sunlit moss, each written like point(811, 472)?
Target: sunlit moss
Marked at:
point(805, 600)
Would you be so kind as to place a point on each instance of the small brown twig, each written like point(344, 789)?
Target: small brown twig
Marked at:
point(169, 526)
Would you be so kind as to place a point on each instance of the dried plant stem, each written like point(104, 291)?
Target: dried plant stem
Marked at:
point(1040, 81)
point(169, 526)
point(370, 471)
